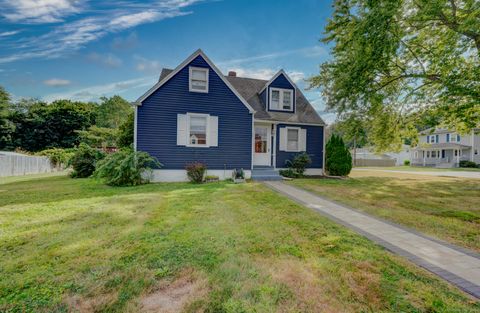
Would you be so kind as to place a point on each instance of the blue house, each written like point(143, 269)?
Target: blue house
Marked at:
point(195, 113)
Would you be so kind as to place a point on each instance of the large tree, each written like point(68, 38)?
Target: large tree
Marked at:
point(398, 60)
point(113, 112)
point(6, 126)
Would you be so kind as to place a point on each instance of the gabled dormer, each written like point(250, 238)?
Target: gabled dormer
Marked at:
point(279, 93)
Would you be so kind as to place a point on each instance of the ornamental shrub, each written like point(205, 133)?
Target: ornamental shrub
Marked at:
point(196, 171)
point(469, 164)
point(338, 160)
point(289, 172)
point(406, 162)
point(84, 160)
point(58, 157)
point(299, 163)
point(126, 168)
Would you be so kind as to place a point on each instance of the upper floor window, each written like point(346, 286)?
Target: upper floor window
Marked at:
point(281, 99)
point(432, 139)
point(198, 81)
point(455, 138)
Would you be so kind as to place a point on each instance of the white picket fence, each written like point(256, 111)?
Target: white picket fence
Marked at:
point(15, 164)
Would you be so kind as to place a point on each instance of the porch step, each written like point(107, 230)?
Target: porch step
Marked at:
point(264, 173)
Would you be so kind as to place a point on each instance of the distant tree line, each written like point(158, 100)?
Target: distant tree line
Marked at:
point(33, 125)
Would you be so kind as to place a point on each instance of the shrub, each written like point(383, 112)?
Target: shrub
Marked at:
point(126, 168)
point(196, 172)
point(84, 161)
point(58, 157)
point(468, 164)
point(338, 160)
point(289, 173)
point(299, 163)
point(406, 162)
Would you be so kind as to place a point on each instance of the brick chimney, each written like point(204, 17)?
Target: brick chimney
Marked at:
point(232, 73)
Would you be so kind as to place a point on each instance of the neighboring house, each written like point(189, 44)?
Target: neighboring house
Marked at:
point(367, 157)
point(445, 148)
point(195, 113)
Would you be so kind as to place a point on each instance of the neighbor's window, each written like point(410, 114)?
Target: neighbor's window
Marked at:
point(292, 139)
point(281, 99)
point(198, 130)
point(198, 79)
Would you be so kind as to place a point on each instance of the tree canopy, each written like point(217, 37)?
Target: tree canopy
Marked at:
point(395, 60)
point(6, 126)
point(113, 112)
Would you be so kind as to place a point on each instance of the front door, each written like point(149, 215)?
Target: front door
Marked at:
point(263, 137)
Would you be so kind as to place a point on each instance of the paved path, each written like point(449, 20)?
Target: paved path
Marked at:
point(459, 266)
point(428, 173)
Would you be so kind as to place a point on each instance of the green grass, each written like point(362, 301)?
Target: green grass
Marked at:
point(77, 245)
point(446, 208)
point(421, 169)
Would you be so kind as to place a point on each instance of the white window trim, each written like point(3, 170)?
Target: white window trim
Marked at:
point(298, 129)
point(433, 139)
point(280, 99)
point(190, 71)
point(207, 130)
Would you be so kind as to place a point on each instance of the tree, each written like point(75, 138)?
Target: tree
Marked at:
point(113, 112)
point(394, 59)
point(125, 132)
point(99, 137)
point(40, 125)
point(338, 161)
point(6, 126)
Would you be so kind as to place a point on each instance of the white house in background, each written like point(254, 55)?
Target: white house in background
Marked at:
point(445, 148)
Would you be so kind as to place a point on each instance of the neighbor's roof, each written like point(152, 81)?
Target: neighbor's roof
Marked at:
point(445, 145)
point(249, 89)
point(435, 131)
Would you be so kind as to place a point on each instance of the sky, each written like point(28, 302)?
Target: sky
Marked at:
point(83, 50)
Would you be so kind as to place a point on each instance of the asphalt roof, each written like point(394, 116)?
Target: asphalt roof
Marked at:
point(249, 89)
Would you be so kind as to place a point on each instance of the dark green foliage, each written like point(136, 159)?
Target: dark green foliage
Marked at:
point(99, 137)
point(113, 112)
point(126, 168)
point(58, 157)
point(289, 172)
point(299, 163)
point(468, 164)
point(196, 172)
point(84, 161)
point(125, 132)
point(6, 126)
point(338, 160)
point(406, 162)
point(41, 126)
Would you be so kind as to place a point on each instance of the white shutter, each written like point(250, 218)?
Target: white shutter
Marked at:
point(181, 129)
point(303, 140)
point(283, 139)
point(212, 137)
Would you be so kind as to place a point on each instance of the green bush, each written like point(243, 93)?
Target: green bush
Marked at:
point(299, 163)
point(289, 173)
point(406, 162)
point(126, 168)
point(58, 157)
point(84, 161)
point(338, 160)
point(469, 164)
point(196, 172)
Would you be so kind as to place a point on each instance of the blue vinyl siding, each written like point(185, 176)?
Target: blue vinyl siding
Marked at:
point(157, 123)
point(314, 146)
point(280, 82)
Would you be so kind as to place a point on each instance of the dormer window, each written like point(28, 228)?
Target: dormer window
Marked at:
point(281, 99)
point(198, 79)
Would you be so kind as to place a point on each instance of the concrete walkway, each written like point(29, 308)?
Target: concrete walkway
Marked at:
point(475, 175)
point(459, 266)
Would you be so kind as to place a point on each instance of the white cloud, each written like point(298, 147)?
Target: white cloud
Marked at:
point(108, 59)
point(56, 82)
point(72, 36)
point(39, 11)
point(145, 65)
point(93, 93)
point(10, 33)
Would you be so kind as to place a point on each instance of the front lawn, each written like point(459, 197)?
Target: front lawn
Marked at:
point(445, 207)
point(77, 245)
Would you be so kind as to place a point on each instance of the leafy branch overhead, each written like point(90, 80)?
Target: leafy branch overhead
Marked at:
point(393, 60)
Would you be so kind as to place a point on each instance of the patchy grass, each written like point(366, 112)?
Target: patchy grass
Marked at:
point(77, 245)
point(444, 207)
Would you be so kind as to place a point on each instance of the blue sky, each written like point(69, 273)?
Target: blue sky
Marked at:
point(82, 50)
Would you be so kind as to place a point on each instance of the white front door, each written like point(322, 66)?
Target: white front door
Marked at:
point(263, 136)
